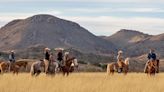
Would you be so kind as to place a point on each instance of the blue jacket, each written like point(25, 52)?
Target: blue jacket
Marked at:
point(151, 56)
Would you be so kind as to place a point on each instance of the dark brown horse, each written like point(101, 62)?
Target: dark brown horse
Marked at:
point(66, 69)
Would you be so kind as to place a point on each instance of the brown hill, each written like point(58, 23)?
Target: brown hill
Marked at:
point(126, 37)
point(52, 32)
point(135, 43)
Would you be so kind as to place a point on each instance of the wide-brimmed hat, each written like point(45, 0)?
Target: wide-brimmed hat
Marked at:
point(120, 52)
point(47, 49)
point(12, 51)
point(60, 49)
point(66, 53)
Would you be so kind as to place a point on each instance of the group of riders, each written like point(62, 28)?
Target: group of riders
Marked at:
point(61, 59)
point(151, 57)
point(49, 58)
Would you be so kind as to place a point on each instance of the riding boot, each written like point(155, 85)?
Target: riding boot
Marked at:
point(121, 69)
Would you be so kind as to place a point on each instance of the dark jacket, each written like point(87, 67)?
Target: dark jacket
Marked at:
point(12, 57)
point(47, 56)
point(60, 56)
point(151, 56)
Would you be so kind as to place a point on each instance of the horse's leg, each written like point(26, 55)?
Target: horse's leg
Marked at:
point(1, 70)
point(25, 67)
point(67, 73)
point(157, 66)
point(63, 73)
point(17, 72)
point(38, 72)
point(112, 72)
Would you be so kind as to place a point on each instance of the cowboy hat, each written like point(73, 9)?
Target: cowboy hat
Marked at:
point(59, 49)
point(47, 49)
point(120, 52)
point(12, 51)
point(66, 53)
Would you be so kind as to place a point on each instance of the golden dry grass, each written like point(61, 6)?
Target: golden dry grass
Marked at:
point(82, 82)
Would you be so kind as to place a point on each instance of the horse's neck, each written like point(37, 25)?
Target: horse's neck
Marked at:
point(69, 61)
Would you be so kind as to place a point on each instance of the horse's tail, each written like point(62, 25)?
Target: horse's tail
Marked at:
point(25, 66)
point(32, 69)
point(108, 69)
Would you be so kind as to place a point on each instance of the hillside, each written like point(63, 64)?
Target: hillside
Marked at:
point(135, 43)
point(51, 32)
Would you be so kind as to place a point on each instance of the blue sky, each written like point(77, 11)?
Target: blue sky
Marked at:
point(101, 17)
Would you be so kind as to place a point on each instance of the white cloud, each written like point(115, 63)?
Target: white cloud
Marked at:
point(116, 1)
point(18, 15)
point(102, 10)
point(104, 25)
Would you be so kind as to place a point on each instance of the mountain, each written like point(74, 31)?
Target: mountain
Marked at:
point(135, 43)
point(52, 32)
point(126, 37)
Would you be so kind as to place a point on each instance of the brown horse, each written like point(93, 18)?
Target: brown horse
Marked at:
point(4, 66)
point(14, 68)
point(152, 67)
point(22, 63)
point(66, 69)
point(112, 67)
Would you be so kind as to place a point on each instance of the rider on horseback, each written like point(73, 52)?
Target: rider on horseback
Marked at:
point(11, 58)
point(46, 59)
point(66, 57)
point(151, 58)
point(60, 57)
point(120, 60)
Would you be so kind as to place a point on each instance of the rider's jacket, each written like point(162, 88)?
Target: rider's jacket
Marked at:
point(151, 56)
point(47, 56)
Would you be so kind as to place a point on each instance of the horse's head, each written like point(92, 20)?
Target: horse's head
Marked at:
point(74, 63)
point(127, 61)
point(69, 61)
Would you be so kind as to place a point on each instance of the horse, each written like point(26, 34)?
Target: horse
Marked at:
point(14, 68)
point(114, 66)
point(4, 66)
point(74, 65)
point(36, 67)
point(152, 67)
point(52, 68)
point(22, 63)
point(7, 67)
point(111, 68)
point(66, 69)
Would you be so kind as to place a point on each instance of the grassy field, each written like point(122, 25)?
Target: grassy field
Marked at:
point(82, 82)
